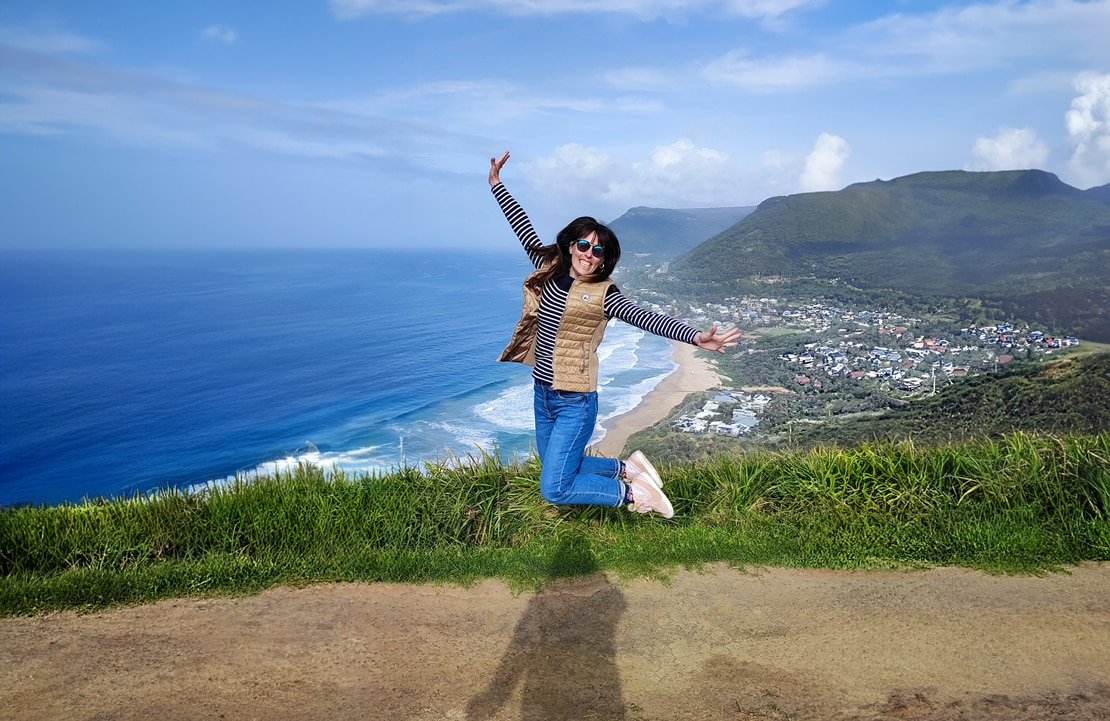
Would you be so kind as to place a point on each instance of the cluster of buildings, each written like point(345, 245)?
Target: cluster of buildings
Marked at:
point(918, 361)
point(744, 408)
point(906, 360)
point(1006, 336)
point(856, 362)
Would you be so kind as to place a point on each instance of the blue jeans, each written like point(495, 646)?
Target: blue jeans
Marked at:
point(564, 424)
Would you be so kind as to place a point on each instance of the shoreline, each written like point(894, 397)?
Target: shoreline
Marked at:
point(693, 374)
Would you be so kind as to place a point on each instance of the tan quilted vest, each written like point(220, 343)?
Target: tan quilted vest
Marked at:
point(580, 332)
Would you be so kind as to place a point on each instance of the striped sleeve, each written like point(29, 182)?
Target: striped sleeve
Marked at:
point(617, 305)
point(520, 224)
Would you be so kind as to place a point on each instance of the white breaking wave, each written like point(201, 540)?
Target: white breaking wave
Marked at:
point(622, 400)
point(512, 409)
point(467, 438)
point(504, 422)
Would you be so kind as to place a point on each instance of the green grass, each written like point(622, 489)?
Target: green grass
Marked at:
point(1023, 503)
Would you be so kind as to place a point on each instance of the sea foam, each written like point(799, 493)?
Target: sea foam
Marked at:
point(634, 363)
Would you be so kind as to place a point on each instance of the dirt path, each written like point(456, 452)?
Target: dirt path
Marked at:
point(942, 644)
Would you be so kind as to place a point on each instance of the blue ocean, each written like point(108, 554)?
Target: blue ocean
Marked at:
point(126, 372)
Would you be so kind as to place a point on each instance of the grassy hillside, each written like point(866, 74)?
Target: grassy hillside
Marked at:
point(1019, 239)
point(656, 235)
point(1021, 503)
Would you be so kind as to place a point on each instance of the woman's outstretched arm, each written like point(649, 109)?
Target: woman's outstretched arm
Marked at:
point(515, 214)
point(617, 305)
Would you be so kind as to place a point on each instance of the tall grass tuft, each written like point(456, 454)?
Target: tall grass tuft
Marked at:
point(1022, 503)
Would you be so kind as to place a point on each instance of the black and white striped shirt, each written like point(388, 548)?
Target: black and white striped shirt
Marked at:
point(553, 298)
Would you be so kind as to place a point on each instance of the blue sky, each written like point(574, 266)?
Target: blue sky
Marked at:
point(370, 123)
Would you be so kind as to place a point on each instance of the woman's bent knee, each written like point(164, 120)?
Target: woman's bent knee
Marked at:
point(554, 494)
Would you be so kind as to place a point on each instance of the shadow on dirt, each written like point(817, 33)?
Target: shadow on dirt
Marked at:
point(563, 652)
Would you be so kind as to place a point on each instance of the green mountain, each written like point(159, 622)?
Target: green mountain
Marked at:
point(656, 235)
point(1022, 243)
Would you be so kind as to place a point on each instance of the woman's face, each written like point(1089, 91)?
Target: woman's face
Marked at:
point(584, 263)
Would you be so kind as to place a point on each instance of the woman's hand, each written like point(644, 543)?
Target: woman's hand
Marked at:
point(495, 165)
point(709, 340)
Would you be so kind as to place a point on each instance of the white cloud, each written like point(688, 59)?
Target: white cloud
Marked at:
point(823, 164)
point(578, 177)
point(779, 73)
point(957, 39)
point(685, 175)
point(220, 33)
point(46, 95)
point(1047, 83)
point(777, 161)
point(492, 105)
point(679, 175)
point(951, 41)
point(495, 100)
point(650, 79)
point(1011, 149)
point(46, 42)
point(766, 10)
point(1088, 123)
point(590, 166)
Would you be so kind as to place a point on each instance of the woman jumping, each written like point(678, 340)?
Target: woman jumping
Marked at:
point(568, 300)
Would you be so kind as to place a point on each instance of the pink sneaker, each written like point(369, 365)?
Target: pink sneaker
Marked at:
point(646, 498)
point(638, 466)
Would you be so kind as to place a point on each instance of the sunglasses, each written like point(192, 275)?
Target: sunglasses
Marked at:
point(584, 245)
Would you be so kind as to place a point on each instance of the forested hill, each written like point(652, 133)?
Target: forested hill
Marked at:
point(656, 235)
point(1022, 241)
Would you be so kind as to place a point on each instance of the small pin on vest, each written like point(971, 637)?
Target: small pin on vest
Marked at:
point(585, 297)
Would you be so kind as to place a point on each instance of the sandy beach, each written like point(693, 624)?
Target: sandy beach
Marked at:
point(694, 373)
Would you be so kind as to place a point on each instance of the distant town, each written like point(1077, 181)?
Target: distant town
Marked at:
point(825, 347)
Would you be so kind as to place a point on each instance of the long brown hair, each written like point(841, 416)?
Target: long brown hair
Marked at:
point(556, 256)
